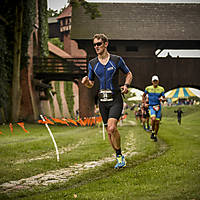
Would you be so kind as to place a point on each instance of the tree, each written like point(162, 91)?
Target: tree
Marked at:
point(16, 89)
point(16, 26)
point(57, 42)
point(91, 9)
point(52, 13)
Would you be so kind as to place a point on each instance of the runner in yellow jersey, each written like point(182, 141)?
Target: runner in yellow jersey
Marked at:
point(156, 95)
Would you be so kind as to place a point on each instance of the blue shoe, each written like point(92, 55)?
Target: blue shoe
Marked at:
point(120, 162)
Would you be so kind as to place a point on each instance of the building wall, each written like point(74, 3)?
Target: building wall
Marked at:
point(173, 72)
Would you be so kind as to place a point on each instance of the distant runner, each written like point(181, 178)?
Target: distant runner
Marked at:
point(179, 115)
point(145, 116)
point(156, 95)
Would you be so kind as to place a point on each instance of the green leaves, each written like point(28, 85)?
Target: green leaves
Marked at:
point(90, 8)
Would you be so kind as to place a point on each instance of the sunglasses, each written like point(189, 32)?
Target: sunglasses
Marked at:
point(98, 44)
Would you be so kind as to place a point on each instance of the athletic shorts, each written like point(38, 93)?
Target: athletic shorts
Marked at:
point(157, 114)
point(111, 109)
point(145, 115)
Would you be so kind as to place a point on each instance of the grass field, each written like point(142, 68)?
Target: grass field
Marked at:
point(166, 170)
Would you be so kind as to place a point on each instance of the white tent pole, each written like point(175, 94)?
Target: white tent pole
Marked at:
point(54, 142)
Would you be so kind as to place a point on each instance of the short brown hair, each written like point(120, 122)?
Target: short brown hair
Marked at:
point(101, 36)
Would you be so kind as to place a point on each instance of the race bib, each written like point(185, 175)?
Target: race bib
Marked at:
point(156, 108)
point(105, 95)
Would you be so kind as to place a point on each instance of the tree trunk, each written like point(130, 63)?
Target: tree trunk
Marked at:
point(16, 90)
point(2, 115)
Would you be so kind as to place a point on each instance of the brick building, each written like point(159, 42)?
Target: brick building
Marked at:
point(60, 27)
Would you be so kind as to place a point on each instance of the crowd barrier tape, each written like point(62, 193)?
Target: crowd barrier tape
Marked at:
point(21, 124)
point(87, 121)
point(11, 127)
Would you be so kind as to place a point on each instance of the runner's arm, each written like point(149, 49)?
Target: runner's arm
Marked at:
point(144, 98)
point(128, 81)
point(129, 78)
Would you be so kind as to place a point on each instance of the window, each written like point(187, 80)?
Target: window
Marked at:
point(61, 22)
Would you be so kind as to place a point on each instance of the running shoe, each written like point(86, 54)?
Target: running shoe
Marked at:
point(120, 162)
point(152, 136)
point(155, 139)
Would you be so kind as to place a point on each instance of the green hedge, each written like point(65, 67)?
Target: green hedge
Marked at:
point(7, 23)
point(43, 28)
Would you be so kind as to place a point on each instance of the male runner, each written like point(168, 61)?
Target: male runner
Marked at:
point(106, 67)
point(179, 115)
point(145, 116)
point(156, 95)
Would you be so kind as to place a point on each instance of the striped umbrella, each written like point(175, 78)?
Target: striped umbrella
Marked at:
point(182, 92)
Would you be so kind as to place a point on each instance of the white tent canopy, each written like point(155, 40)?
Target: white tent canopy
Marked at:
point(179, 94)
point(138, 94)
point(195, 91)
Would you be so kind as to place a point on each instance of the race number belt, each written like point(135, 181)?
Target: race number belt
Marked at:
point(105, 95)
point(156, 108)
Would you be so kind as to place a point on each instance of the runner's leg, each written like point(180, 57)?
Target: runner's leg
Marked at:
point(113, 133)
point(157, 122)
point(153, 123)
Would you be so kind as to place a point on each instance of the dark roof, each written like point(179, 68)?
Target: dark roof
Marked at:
point(139, 21)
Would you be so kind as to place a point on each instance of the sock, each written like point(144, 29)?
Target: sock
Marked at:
point(118, 152)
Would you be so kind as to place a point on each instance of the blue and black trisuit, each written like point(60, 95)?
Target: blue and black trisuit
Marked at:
point(108, 79)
